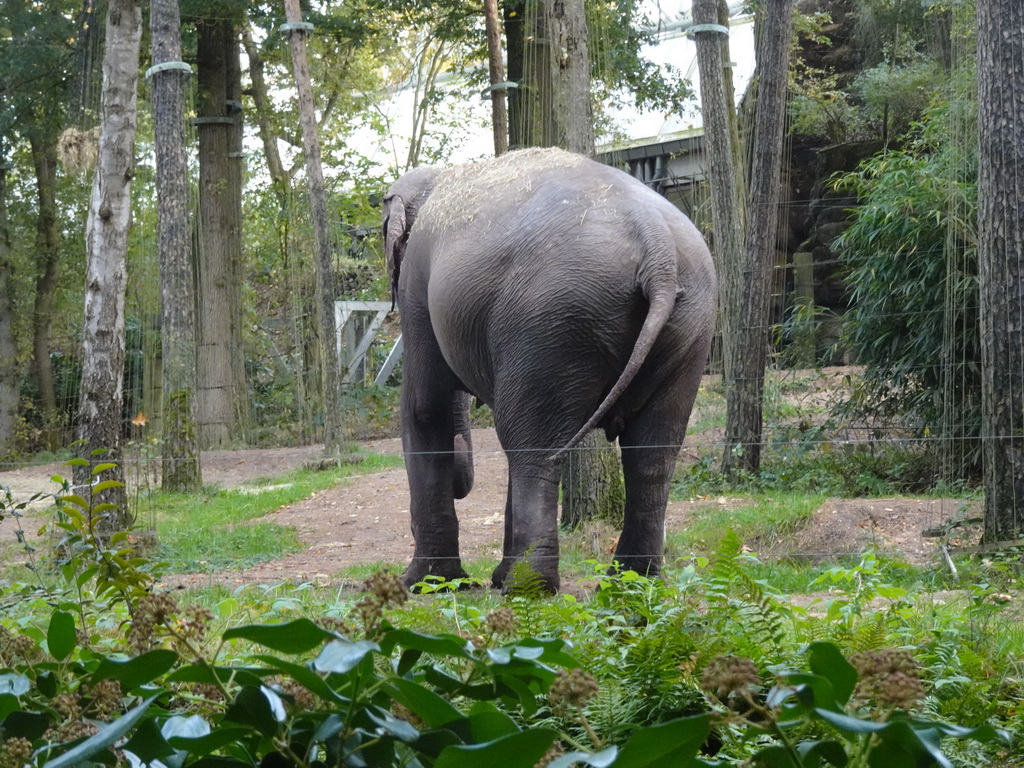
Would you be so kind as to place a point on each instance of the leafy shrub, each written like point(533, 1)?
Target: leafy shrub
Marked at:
point(647, 673)
point(911, 255)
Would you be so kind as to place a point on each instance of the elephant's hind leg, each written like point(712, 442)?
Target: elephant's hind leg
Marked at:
point(531, 520)
point(650, 444)
point(428, 439)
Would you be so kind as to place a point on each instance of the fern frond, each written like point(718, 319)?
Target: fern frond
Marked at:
point(871, 635)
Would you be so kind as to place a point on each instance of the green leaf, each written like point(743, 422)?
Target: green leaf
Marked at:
point(674, 744)
point(519, 750)
point(103, 467)
point(831, 751)
point(106, 737)
point(811, 754)
point(60, 635)
point(305, 677)
point(251, 707)
point(776, 757)
point(434, 710)
point(488, 723)
point(148, 744)
point(438, 645)
point(47, 683)
point(343, 656)
point(14, 683)
point(600, 759)
point(8, 704)
point(204, 745)
point(297, 636)
point(849, 724)
point(826, 660)
point(106, 485)
point(407, 660)
point(138, 671)
point(27, 725)
point(274, 702)
point(192, 727)
point(801, 695)
point(393, 726)
point(554, 651)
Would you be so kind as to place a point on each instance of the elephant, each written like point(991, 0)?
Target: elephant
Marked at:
point(567, 296)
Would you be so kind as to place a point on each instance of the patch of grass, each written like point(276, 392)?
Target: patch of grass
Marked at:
point(225, 548)
point(797, 577)
point(764, 518)
point(209, 532)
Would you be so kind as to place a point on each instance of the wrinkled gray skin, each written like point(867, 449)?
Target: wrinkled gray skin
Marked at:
point(566, 295)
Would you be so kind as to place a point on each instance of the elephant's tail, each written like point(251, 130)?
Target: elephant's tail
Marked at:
point(658, 275)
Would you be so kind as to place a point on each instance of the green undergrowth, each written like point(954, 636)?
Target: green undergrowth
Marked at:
point(726, 660)
point(711, 666)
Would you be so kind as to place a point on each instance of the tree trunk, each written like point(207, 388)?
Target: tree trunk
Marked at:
point(721, 170)
point(1001, 262)
point(592, 487)
point(514, 15)
point(330, 374)
point(180, 468)
point(499, 110)
point(572, 113)
point(44, 158)
point(219, 238)
point(8, 346)
point(750, 351)
point(106, 249)
point(233, 205)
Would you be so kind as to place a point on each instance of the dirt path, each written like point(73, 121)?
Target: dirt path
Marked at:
point(366, 519)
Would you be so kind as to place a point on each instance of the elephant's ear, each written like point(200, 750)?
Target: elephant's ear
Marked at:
point(395, 234)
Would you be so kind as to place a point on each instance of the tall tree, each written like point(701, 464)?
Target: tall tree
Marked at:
point(8, 345)
point(181, 469)
point(1001, 261)
point(749, 350)
point(723, 172)
point(331, 375)
point(498, 93)
point(36, 91)
point(43, 142)
point(106, 246)
point(592, 477)
point(568, 60)
point(220, 232)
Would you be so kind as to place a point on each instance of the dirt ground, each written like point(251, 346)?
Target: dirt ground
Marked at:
point(366, 519)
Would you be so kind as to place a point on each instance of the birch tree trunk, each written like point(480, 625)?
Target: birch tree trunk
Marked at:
point(106, 247)
point(180, 467)
point(749, 352)
point(1001, 262)
point(330, 374)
